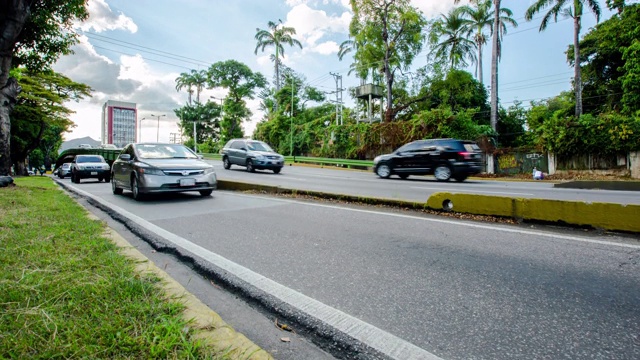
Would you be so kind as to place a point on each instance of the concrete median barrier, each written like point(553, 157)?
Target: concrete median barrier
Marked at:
point(606, 216)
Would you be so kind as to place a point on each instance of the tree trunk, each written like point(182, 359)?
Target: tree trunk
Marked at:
point(479, 69)
point(12, 20)
point(576, 64)
point(494, 65)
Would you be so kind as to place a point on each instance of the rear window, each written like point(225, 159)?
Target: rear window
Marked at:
point(88, 159)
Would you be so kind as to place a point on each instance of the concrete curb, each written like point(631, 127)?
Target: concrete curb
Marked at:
point(602, 185)
point(212, 331)
point(608, 216)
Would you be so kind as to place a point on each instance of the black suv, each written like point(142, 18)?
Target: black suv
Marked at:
point(253, 154)
point(443, 158)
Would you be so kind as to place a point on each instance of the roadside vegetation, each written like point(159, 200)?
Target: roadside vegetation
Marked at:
point(67, 292)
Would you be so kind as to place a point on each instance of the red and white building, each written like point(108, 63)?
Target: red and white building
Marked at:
point(119, 123)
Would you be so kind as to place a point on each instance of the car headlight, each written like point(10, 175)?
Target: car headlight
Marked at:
point(376, 160)
point(151, 171)
point(105, 167)
point(80, 167)
point(209, 170)
point(259, 157)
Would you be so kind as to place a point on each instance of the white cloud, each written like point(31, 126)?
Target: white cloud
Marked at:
point(327, 48)
point(101, 18)
point(433, 8)
point(313, 25)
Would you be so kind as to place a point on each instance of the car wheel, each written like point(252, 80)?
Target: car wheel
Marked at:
point(250, 166)
point(135, 189)
point(403, 176)
point(384, 171)
point(99, 178)
point(226, 163)
point(206, 192)
point(442, 173)
point(276, 170)
point(75, 178)
point(61, 176)
point(115, 189)
point(460, 178)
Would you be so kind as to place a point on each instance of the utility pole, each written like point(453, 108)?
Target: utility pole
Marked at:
point(339, 90)
point(291, 127)
point(158, 133)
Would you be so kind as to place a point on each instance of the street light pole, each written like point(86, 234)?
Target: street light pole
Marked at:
point(291, 126)
point(158, 132)
point(140, 129)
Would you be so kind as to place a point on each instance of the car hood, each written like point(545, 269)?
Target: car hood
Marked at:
point(265, 153)
point(176, 163)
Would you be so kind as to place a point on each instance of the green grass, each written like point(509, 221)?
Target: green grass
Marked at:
point(67, 292)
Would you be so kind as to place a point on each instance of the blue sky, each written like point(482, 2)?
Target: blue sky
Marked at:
point(132, 50)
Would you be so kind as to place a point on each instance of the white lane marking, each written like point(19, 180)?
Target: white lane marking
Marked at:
point(378, 339)
point(469, 191)
point(452, 222)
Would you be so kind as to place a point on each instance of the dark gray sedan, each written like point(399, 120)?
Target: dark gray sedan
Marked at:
point(145, 168)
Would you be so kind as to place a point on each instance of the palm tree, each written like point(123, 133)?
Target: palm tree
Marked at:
point(185, 80)
point(456, 47)
point(480, 17)
point(276, 36)
point(573, 9)
point(198, 80)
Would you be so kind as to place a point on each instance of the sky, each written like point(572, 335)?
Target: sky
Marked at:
point(133, 50)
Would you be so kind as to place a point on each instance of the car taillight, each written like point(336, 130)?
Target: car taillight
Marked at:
point(465, 155)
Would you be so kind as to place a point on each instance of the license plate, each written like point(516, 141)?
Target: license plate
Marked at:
point(187, 182)
point(94, 173)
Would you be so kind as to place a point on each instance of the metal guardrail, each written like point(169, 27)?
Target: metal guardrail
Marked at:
point(348, 163)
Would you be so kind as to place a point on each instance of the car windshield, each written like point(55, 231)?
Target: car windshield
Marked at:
point(258, 146)
point(89, 159)
point(164, 151)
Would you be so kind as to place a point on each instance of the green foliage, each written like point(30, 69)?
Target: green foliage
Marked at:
point(47, 33)
point(206, 117)
point(609, 60)
point(40, 113)
point(631, 79)
point(607, 133)
point(511, 132)
point(241, 84)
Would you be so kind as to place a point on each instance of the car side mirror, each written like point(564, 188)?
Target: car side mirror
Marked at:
point(124, 157)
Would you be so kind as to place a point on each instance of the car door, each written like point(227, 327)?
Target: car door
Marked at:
point(122, 168)
point(405, 158)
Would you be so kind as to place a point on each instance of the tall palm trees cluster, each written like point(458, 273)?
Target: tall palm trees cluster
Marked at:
point(457, 30)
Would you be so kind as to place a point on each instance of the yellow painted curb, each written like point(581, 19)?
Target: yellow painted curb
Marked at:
point(606, 216)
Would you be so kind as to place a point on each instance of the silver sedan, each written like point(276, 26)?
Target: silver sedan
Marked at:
point(145, 168)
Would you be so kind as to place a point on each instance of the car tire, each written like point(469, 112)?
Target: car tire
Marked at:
point(115, 189)
point(99, 178)
point(403, 176)
point(250, 167)
point(460, 178)
point(135, 189)
point(75, 178)
point(442, 172)
point(206, 192)
point(226, 163)
point(277, 170)
point(384, 171)
point(61, 176)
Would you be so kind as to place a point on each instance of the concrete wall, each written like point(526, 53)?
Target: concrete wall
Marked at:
point(634, 164)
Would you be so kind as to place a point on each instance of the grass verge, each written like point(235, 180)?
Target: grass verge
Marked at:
point(67, 292)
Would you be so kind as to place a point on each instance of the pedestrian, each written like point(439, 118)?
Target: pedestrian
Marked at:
point(537, 174)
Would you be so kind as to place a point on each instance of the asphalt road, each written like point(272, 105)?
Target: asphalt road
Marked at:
point(453, 289)
point(415, 188)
